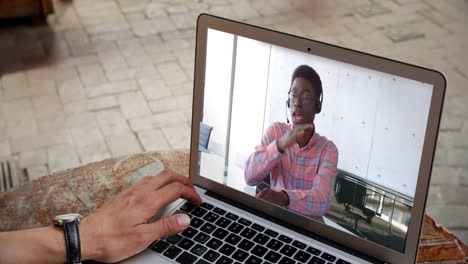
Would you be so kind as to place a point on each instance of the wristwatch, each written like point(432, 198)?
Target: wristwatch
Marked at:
point(69, 222)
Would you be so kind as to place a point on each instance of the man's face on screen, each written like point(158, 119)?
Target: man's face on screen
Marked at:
point(303, 102)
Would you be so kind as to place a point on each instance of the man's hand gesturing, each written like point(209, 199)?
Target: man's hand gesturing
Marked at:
point(120, 228)
point(293, 136)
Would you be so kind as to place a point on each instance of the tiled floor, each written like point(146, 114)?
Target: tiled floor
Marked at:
point(113, 77)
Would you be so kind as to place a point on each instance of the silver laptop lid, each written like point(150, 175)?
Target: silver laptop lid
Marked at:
point(363, 178)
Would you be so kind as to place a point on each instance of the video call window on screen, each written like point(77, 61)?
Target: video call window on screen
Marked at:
point(358, 171)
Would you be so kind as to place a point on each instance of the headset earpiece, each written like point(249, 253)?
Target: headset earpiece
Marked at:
point(319, 106)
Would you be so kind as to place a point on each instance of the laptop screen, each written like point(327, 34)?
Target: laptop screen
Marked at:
point(333, 141)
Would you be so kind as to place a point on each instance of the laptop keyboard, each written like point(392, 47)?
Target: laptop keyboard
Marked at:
point(221, 237)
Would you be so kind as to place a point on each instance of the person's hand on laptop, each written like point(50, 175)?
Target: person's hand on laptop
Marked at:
point(117, 230)
point(120, 228)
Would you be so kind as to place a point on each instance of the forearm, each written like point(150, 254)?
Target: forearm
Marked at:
point(38, 245)
point(261, 162)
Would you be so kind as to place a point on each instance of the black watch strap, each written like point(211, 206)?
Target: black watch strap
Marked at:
point(72, 240)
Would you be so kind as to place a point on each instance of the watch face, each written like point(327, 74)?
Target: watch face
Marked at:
point(68, 217)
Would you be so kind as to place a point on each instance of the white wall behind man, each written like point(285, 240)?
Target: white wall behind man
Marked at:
point(248, 98)
point(217, 88)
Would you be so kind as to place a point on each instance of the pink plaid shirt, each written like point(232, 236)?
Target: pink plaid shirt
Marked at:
point(306, 174)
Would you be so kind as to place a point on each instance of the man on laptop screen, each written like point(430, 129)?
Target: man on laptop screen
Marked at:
point(300, 164)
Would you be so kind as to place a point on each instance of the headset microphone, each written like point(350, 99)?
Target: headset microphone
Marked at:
point(286, 111)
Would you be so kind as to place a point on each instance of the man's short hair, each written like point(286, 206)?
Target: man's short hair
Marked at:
point(308, 73)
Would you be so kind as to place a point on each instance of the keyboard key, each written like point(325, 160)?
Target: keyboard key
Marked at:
point(172, 252)
point(160, 246)
point(248, 233)
point(313, 251)
point(233, 239)
point(288, 250)
point(259, 251)
point(223, 222)
point(208, 228)
point(227, 249)
point(220, 233)
point(200, 212)
point(207, 206)
point(245, 222)
point(211, 255)
point(196, 222)
point(189, 232)
point(186, 258)
point(299, 245)
point(198, 250)
point(340, 261)
point(261, 239)
point(235, 228)
point(240, 255)
point(316, 260)
point(253, 260)
point(272, 256)
point(214, 243)
point(246, 245)
point(174, 239)
point(219, 211)
point(274, 244)
point(224, 260)
point(202, 261)
point(232, 216)
point(285, 239)
point(258, 227)
point(286, 260)
point(186, 244)
point(202, 238)
point(211, 217)
point(187, 207)
point(302, 256)
point(271, 233)
point(328, 257)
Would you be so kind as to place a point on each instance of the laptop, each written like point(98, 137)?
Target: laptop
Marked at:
point(351, 188)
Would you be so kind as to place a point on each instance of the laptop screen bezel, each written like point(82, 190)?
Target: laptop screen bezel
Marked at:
point(346, 55)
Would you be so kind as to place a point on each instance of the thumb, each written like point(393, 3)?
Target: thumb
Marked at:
point(171, 225)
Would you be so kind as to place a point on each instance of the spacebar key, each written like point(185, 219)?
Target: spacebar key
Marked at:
point(186, 258)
